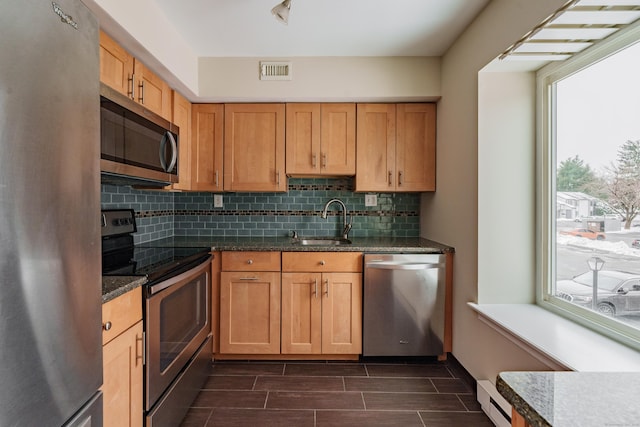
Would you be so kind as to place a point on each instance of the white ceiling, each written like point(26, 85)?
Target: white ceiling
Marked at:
point(246, 28)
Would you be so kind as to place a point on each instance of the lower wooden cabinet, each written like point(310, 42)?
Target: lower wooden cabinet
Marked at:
point(122, 365)
point(321, 303)
point(321, 313)
point(250, 303)
point(250, 312)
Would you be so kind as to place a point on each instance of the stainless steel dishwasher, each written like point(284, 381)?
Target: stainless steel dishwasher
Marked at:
point(403, 304)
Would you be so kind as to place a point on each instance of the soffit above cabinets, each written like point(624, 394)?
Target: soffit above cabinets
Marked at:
point(574, 27)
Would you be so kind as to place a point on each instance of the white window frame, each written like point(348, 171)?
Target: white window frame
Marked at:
point(545, 182)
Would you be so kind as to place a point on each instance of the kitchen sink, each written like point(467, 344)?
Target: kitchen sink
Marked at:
point(321, 241)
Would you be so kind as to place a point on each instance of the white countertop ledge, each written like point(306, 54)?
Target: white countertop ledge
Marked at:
point(557, 342)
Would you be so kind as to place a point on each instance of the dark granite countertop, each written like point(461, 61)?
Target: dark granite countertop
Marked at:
point(567, 399)
point(359, 244)
point(114, 286)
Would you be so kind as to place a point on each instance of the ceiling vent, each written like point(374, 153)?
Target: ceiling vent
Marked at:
point(275, 70)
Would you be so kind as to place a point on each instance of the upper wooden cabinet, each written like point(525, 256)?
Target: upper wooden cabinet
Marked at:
point(206, 147)
point(254, 149)
point(182, 118)
point(396, 147)
point(321, 139)
point(121, 71)
point(116, 65)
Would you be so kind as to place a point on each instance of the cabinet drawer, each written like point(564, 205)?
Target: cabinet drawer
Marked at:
point(322, 261)
point(122, 313)
point(250, 261)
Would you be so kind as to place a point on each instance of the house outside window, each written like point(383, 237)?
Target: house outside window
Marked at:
point(589, 187)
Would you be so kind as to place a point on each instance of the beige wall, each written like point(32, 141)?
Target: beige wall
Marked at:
point(454, 214)
point(369, 79)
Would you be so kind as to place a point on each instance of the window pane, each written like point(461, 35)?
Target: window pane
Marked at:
point(597, 195)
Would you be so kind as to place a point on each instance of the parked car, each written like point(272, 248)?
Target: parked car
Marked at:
point(585, 232)
point(618, 292)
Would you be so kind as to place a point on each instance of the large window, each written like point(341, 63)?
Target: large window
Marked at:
point(589, 163)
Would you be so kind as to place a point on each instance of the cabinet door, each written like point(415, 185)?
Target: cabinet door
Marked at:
point(254, 150)
point(301, 313)
point(250, 312)
point(341, 313)
point(182, 118)
point(206, 153)
point(376, 139)
point(151, 91)
point(338, 139)
point(116, 66)
point(416, 147)
point(122, 371)
point(303, 139)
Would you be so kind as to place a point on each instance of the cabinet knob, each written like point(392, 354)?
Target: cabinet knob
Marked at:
point(250, 262)
point(322, 262)
point(107, 326)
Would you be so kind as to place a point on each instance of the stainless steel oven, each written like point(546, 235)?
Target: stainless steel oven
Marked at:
point(177, 322)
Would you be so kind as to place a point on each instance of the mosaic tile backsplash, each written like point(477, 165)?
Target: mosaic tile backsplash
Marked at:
point(164, 214)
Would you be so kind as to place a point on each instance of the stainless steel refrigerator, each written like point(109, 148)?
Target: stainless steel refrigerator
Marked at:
point(50, 280)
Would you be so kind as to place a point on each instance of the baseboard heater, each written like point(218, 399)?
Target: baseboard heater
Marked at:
point(493, 404)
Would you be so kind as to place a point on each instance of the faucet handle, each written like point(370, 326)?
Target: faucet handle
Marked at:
point(294, 234)
point(345, 233)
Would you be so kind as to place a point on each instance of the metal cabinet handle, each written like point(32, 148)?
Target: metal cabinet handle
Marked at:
point(141, 355)
point(132, 81)
point(322, 262)
point(315, 288)
point(107, 326)
point(278, 178)
point(324, 160)
point(399, 178)
point(390, 178)
point(326, 282)
point(217, 179)
point(248, 278)
point(313, 161)
point(141, 92)
point(250, 261)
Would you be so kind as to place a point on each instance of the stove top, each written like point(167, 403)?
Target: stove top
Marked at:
point(120, 257)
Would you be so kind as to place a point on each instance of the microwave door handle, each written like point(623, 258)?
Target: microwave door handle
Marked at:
point(174, 152)
point(163, 143)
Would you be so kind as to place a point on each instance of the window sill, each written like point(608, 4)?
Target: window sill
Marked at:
point(555, 341)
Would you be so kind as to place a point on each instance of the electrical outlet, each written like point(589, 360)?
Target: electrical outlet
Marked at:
point(217, 201)
point(370, 200)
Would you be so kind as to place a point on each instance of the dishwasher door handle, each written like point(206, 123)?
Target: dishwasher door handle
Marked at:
point(403, 266)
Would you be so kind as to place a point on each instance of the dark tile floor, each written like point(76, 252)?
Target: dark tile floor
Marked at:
point(424, 393)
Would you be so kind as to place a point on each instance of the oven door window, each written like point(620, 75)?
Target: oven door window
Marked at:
point(183, 314)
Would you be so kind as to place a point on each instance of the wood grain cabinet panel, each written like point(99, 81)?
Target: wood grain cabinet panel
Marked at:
point(321, 139)
point(181, 117)
point(250, 312)
point(321, 309)
point(207, 148)
point(116, 66)
point(151, 91)
point(396, 147)
point(123, 360)
point(254, 147)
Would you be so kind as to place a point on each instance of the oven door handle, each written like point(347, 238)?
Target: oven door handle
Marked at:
point(197, 269)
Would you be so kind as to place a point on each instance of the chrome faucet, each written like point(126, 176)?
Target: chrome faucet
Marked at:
point(347, 225)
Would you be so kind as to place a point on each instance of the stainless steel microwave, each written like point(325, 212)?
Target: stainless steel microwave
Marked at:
point(136, 145)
